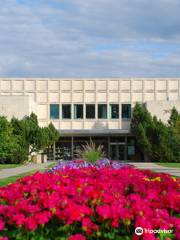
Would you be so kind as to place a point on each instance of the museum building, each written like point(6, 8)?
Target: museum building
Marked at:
point(89, 109)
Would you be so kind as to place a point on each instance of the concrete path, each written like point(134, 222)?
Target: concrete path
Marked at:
point(157, 168)
point(9, 172)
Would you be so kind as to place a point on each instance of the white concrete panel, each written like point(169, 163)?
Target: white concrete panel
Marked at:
point(5, 85)
point(42, 97)
point(43, 123)
point(114, 85)
point(65, 125)
point(89, 97)
point(162, 109)
point(77, 124)
point(53, 97)
point(77, 97)
point(114, 124)
point(125, 97)
point(173, 84)
point(17, 106)
point(17, 85)
point(137, 97)
point(31, 94)
point(65, 85)
point(149, 96)
point(113, 97)
point(53, 85)
point(102, 97)
point(89, 124)
point(101, 85)
point(65, 97)
point(125, 125)
point(77, 85)
point(42, 111)
point(125, 85)
point(41, 85)
point(148, 85)
point(161, 96)
point(137, 85)
point(17, 93)
point(173, 96)
point(89, 85)
point(29, 85)
point(161, 85)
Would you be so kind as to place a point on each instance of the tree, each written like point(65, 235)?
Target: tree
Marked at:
point(157, 140)
point(9, 145)
point(33, 137)
point(140, 126)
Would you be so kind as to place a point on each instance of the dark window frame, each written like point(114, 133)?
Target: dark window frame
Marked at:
point(53, 114)
point(70, 116)
point(101, 117)
point(94, 111)
point(126, 114)
point(82, 111)
point(110, 110)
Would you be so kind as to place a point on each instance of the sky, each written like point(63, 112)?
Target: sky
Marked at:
point(90, 38)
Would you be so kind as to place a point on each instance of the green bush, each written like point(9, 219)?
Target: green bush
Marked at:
point(20, 138)
point(158, 141)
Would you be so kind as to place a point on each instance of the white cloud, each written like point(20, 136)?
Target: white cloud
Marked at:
point(89, 38)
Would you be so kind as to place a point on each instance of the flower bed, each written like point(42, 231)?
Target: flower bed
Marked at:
point(79, 163)
point(90, 203)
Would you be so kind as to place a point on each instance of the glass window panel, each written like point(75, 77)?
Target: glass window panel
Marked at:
point(90, 111)
point(54, 111)
point(102, 111)
point(66, 111)
point(78, 111)
point(126, 111)
point(114, 111)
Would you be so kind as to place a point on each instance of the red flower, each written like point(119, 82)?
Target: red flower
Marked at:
point(77, 237)
point(1, 224)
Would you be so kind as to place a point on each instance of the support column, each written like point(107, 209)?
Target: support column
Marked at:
point(72, 147)
point(109, 147)
point(54, 152)
point(125, 148)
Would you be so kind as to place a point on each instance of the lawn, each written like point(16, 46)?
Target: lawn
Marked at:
point(170, 165)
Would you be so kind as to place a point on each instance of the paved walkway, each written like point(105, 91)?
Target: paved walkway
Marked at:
point(9, 172)
point(157, 168)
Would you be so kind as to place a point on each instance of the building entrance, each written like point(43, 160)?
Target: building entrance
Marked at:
point(117, 152)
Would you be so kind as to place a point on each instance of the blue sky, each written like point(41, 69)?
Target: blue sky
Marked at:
point(90, 38)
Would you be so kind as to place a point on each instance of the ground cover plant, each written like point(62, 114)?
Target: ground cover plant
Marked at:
point(89, 202)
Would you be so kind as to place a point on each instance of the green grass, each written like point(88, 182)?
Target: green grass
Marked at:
point(5, 166)
point(170, 165)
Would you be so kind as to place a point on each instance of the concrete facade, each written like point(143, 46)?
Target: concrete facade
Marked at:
point(44, 92)
point(19, 97)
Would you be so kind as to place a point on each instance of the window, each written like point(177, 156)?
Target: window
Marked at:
point(90, 111)
point(78, 111)
point(114, 111)
point(126, 111)
point(66, 111)
point(54, 111)
point(102, 111)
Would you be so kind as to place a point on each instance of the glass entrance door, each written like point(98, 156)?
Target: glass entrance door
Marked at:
point(117, 152)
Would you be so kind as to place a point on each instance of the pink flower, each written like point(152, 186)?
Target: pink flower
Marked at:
point(77, 237)
point(30, 223)
point(1, 224)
